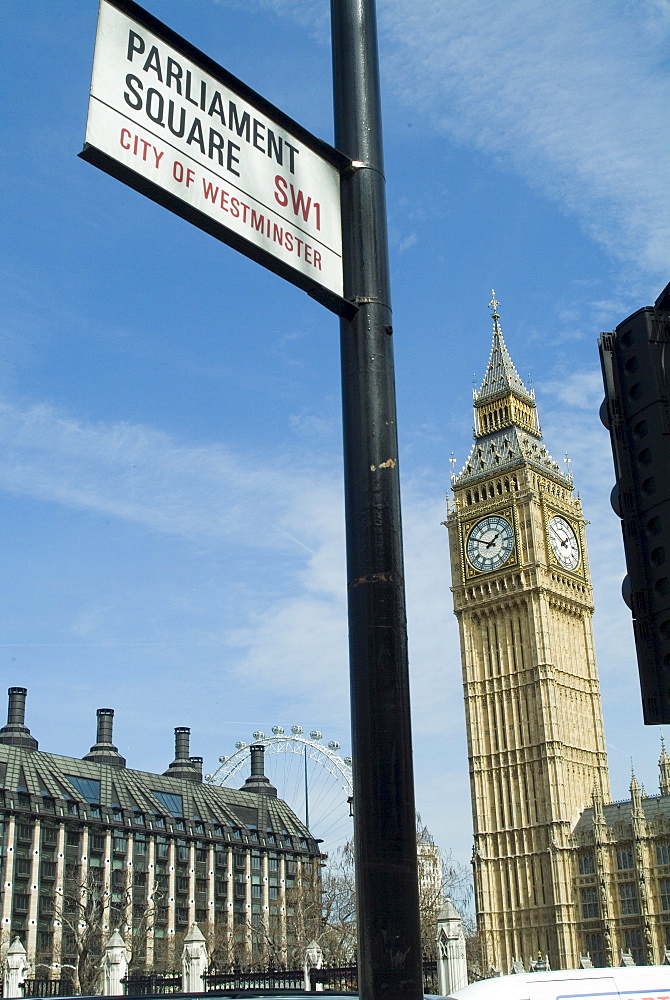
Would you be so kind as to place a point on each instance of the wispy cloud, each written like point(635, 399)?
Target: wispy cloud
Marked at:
point(572, 97)
point(140, 474)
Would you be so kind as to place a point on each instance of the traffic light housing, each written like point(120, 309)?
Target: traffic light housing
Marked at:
point(635, 362)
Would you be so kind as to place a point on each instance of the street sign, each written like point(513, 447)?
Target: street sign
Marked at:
point(170, 122)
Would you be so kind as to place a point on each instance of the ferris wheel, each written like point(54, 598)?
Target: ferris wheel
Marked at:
point(309, 775)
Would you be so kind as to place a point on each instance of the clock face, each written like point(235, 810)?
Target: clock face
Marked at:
point(490, 543)
point(563, 541)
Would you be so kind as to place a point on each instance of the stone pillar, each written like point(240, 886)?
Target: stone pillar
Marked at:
point(194, 960)
point(114, 966)
point(452, 966)
point(313, 960)
point(16, 969)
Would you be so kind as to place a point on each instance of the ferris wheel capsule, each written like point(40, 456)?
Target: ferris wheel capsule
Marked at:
point(259, 735)
point(348, 761)
point(296, 730)
point(333, 745)
point(278, 730)
point(240, 745)
point(316, 735)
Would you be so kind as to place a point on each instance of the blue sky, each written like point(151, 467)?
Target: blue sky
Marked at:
point(172, 520)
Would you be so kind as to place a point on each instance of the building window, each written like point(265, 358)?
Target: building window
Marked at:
point(49, 835)
point(273, 892)
point(663, 853)
point(586, 864)
point(664, 886)
point(624, 858)
point(589, 904)
point(634, 946)
point(594, 948)
point(628, 898)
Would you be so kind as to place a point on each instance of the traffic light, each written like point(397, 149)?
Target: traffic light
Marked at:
point(635, 362)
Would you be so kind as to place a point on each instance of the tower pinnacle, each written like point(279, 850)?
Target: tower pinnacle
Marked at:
point(507, 430)
point(501, 376)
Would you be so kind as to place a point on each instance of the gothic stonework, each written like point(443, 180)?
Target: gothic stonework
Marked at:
point(523, 599)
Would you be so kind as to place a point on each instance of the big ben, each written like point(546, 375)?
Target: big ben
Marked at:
point(523, 599)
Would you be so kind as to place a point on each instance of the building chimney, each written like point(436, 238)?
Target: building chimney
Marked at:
point(257, 781)
point(104, 751)
point(15, 733)
point(183, 766)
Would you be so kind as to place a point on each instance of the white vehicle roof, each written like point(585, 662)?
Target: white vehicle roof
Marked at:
point(645, 982)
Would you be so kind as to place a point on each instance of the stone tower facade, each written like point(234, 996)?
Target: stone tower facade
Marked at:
point(523, 599)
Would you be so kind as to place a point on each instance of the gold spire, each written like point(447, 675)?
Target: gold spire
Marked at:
point(503, 400)
point(501, 376)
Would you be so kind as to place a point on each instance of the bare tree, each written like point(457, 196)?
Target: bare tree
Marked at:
point(82, 910)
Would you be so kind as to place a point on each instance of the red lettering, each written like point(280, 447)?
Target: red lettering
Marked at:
point(190, 177)
point(158, 156)
point(317, 259)
point(235, 207)
point(280, 191)
point(257, 221)
point(209, 190)
point(126, 133)
point(288, 241)
point(178, 171)
point(224, 199)
point(300, 207)
point(308, 253)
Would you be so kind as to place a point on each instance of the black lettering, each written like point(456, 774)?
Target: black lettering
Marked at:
point(174, 72)
point(131, 82)
point(203, 95)
point(259, 129)
point(187, 94)
point(231, 158)
point(276, 147)
point(153, 62)
point(291, 160)
point(155, 109)
point(182, 120)
point(135, 44)
point(239, 125)
point(216, 108)
point(195, 135)
point(216, 142)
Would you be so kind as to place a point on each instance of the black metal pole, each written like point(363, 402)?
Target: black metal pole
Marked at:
point(389, 943)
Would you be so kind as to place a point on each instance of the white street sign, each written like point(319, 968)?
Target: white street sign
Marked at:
point(169, 121)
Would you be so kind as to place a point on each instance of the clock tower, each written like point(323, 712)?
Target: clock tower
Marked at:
point(523, 599)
